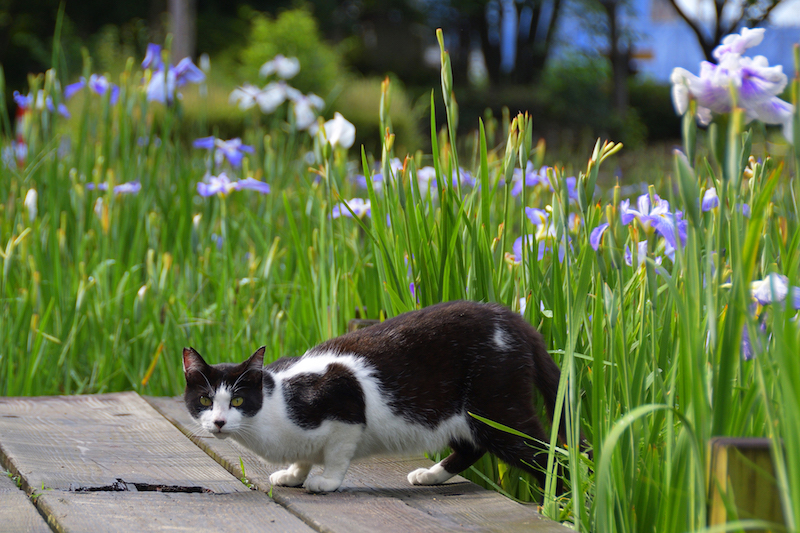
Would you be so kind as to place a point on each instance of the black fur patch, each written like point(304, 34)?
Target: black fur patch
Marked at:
point(333, 395)
point(442, 360)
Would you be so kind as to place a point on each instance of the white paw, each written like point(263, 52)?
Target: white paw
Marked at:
point(322, 484)
point(429, 476)
point(286, 478)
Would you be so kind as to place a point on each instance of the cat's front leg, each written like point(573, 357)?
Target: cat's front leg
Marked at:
point(339, 451)
point(294, 476)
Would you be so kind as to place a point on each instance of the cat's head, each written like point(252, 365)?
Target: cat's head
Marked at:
point(221, 397)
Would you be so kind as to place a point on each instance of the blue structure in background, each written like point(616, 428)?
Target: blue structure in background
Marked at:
point(661, 39)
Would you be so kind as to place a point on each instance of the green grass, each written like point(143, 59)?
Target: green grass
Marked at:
point(651, 356)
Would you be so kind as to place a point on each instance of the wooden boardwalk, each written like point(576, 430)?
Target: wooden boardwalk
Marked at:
point(120, 462)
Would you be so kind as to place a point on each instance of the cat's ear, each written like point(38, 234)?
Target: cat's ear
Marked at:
point(256, 361)
point(192, 361)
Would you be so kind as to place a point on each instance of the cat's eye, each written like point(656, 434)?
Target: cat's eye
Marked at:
point(205, 401)
point(236, 402)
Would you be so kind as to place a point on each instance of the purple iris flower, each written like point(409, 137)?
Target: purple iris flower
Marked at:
point(152, 57)
point(538, 217)
point(528, 239)
point(756, 83)
point(596, 236)
point(710, 199)
point(656, 214)
point(532, 178)
point(233, 150)
point(97, 84)
point(132, 187)
point(28, 102)
point(164, 82)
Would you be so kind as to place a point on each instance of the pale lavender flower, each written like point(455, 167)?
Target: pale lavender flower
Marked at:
point(164, 83)
point(132, 187)
point(223, 186)
point(756, 83)
point(284, 67)
point(305, 110)
point(773, 288)
point(359, 206)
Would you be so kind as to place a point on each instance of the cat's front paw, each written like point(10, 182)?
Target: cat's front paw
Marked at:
point(322, 484)
point(429, 476)
point(286, 478)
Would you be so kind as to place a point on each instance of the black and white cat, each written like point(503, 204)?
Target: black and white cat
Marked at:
point(402, 386)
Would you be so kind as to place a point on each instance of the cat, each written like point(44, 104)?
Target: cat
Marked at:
point(405, 385)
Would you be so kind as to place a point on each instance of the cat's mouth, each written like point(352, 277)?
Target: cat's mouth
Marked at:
point(218, 433)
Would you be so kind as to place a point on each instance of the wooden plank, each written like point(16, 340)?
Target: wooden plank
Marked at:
point(375, 495)
point(71, 442)
point(17, 513)
point(112, 463)
point(159, 511)
point(741, 473)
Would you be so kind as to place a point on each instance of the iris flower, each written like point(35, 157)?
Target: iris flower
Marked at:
point(359, 206)
point(756, 83)
point(40, 102)
point(378, 178)
point(97, 84)
point(656, 215)
point(223, 186)
point(531, 178)
point(132, 187)
point(284, 67)
point(710, 199)
point(233, 150)
point(774, 289)
point(165, 82)
point(338, 131)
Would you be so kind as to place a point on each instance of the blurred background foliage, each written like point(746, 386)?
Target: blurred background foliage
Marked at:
point(345, 50)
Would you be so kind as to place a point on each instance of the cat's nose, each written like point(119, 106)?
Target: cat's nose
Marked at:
point(219, 423)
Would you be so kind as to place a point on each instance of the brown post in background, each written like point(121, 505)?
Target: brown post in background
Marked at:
point(182, 14)
point(742, 481)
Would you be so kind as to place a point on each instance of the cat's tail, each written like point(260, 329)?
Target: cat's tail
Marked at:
point(546, 376)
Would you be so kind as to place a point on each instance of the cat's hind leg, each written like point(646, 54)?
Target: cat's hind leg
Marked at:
point(464, 455)
point(294, 476)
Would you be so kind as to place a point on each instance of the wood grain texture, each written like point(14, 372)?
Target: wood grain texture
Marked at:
point(741, 472)
point(17, 513)
point(375, 495)
point(92, 441)
point(242, 512)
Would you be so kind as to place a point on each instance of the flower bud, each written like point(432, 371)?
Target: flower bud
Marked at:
point(31, 204)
